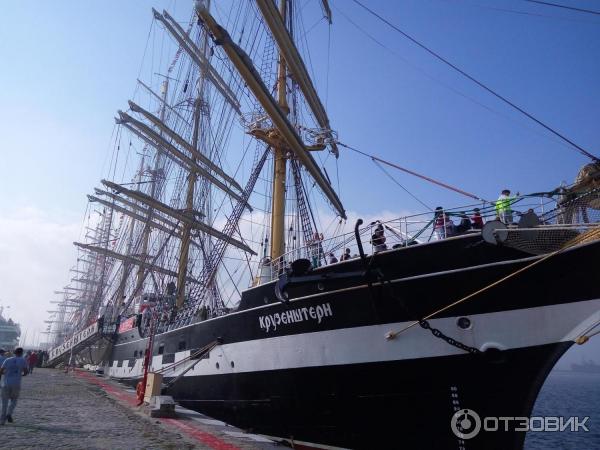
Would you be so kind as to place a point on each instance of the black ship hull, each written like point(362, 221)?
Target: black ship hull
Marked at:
point(320, 369)
point(396, 404)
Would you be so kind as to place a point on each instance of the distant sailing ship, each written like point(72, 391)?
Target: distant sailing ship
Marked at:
point(9, 332)
point(586, 367)
point(205, 260)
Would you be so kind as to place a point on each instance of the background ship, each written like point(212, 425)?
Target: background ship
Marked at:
point(586, 367)
point(9, 332)
point(206, 260)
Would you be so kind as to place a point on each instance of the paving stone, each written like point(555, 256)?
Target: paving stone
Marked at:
point(60, 411)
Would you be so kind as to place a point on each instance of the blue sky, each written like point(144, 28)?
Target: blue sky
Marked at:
point(67, 66)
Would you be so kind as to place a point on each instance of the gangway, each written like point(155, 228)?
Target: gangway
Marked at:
point(81, 340)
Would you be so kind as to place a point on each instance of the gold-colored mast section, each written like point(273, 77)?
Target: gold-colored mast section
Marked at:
point(280, 162)
point(187, 229)
point(192, 177)
point(147, 229)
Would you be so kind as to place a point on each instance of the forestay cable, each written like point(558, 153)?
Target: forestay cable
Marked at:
point(479, 83)
point(426, 178)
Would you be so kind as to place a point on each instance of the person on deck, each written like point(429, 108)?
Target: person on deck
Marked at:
point(12, 370)
point(442, 224)
point(450, 226)
point(476, 220)
point(317, 251)
point(378, 239)
point(332, 259)
point(465, 223)
point(503, 206)
point(346, 256)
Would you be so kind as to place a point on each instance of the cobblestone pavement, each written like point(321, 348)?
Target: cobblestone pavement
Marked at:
point(60, 411)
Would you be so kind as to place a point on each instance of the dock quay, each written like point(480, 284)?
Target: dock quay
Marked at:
point(79, 410)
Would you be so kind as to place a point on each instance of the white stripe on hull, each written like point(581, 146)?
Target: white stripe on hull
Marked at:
point(502, 330)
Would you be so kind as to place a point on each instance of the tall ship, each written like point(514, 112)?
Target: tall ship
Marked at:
point(218, 253)
point(10, 332)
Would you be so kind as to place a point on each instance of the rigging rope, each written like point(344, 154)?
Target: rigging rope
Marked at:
point(479, 83)
point(586, 337)
point(556, 5)
point(583, 238)
point(426, 178)
point(398, 183)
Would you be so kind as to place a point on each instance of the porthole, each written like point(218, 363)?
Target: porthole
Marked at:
point(320, 286)
point(464, 323)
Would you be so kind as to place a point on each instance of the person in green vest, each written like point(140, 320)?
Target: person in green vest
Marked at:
point(503, 206)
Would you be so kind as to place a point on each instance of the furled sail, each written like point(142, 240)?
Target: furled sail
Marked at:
point(196, 55)
point(133, 215)
point(186, 145)
point(179, 215)
point(150, 136)
point(295, 63)
point(130, 260)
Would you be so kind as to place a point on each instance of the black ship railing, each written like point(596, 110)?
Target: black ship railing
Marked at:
point(556, 221)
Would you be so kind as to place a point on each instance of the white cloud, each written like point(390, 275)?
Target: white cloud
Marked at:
point(36, 251)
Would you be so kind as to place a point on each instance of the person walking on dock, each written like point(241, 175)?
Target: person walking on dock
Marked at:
point(12, 370)
point(3, 358)
point(32, 361)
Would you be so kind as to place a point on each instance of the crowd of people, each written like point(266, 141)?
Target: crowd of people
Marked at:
point(345, 257)
point(443, 225)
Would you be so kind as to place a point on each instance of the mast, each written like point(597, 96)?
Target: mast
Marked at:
point(187, 228)
point(147, 228)
point(280, 161)
point(282, 128)
point(120, 296)
point(192, 177)
point(102, 236)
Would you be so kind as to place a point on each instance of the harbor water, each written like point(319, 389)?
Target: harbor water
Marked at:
point(568, 394)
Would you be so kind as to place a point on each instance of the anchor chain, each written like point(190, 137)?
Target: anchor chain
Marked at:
point(438, 334)
point(425, 325)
